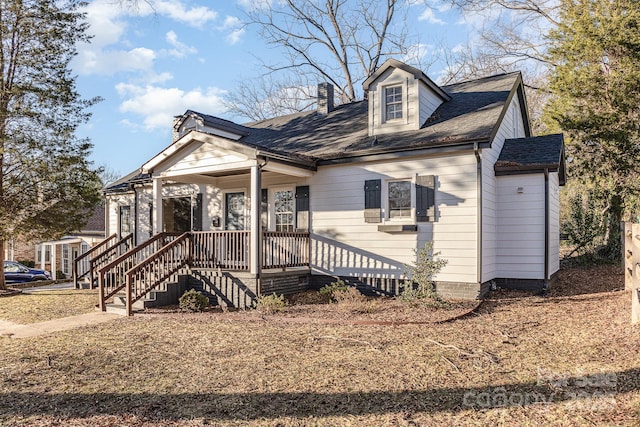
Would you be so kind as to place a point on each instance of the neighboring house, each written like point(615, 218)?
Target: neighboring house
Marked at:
point(366, 183)
point(58, 255)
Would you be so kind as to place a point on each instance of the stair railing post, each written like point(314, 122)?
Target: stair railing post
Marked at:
point(129, 304)
point(101, 300)
point(74, 273)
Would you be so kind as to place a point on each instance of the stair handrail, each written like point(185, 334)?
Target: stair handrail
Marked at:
point(88, 254)
point(179, 260)
point(128, 256)
point(119, 247)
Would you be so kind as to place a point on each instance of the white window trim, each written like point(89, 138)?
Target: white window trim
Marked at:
point(385, 201)
point(402, 103)
point(271, 217)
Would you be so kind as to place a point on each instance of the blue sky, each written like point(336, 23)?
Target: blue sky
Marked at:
point(150, 65)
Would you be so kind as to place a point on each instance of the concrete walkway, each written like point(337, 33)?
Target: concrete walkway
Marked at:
point(14, 330)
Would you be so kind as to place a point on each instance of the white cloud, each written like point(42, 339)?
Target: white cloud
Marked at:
point(251, 5)
point(109, 53)
point(430, 17)
point(231, 22)
point(196, 16)
point(235, 36)
point(108, 62)
point(180, 50)
point(157, 105)
point(234, 24)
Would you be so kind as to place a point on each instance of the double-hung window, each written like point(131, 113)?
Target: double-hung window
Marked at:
point(399, 199)
point(284, 209)
point(393, 103)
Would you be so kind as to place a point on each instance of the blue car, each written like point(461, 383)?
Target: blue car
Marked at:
point(14, 272)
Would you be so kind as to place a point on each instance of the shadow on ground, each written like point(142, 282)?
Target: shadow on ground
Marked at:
point(270, 405)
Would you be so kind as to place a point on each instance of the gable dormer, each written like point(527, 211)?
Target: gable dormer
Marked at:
point(401, 98)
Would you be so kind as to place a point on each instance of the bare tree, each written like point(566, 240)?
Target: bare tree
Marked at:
point(338, 41)
point(512, 38)
point(259, 99)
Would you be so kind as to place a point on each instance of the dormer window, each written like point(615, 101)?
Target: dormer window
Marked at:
point(393, 103)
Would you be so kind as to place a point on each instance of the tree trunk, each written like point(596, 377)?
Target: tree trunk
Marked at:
point(3, 283)
point(613, 249)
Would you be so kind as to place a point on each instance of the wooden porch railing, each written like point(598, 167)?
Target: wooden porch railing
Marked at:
point(285, 249)
point(220, 249)
point(99, 260)
point(153, 271)
point(82, 264)
point(150, 264)
point(111, 276)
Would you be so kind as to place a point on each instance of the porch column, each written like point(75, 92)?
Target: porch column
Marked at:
point(54, 261)
point(255, 238)
point(157, 207)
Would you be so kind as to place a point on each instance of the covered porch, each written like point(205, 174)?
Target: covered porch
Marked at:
point(219, 213)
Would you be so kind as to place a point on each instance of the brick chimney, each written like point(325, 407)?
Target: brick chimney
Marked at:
point(325, 98)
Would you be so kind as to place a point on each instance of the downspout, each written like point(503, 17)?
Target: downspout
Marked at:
point(476, 151)
point(135, 214)
point(545, 286)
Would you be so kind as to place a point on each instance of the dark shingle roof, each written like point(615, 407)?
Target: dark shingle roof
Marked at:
point(96, 220)
point(532, 154)
point(124, 184)
point(471, 115)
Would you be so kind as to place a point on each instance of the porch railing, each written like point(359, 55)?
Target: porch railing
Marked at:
point(155, 270)
point(152, 263)
point(285, 249)
point(111, 276)
point(227, 250)
point(82, 264)
point(99, 260)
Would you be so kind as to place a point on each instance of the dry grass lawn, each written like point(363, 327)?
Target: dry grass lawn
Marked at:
point(46, 305)
point(569, 358)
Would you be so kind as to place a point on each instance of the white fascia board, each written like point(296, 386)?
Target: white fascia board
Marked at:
point(228, 167)
point(284, 169)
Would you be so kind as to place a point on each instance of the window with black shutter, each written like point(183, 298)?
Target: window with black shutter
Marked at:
point(373, 200)
point(425, 198)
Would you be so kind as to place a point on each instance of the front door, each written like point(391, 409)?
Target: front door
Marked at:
point(234, 218)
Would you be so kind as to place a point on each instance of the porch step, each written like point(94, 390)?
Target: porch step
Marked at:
point(141, 304)
point(120, 309)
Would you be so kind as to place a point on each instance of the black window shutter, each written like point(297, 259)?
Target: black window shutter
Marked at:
point(372, 200)
point(425, 198)
point(302, 207)
point(197, 213)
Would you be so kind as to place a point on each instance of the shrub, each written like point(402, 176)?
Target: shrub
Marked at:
point(349, 295)
point(193, 301)
point(420, 285)
point(27, 263)
point(270, 304)
point(329, 291)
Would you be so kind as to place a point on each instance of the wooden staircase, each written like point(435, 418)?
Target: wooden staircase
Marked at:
point(133, 278)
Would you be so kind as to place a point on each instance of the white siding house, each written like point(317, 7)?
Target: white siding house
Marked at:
point(367, 184)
